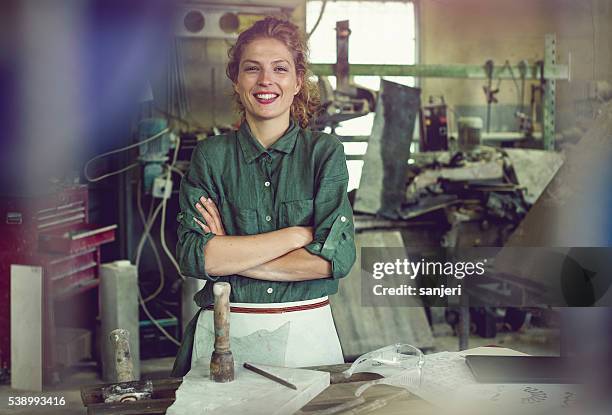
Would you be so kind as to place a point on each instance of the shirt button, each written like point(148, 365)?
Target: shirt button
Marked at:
point(267, 184)
point(268, 218)
point(342, 218)
point(270, 290)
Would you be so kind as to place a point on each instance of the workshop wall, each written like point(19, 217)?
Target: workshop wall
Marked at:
point(469, 31)
point(208, 89)
point(472, 31)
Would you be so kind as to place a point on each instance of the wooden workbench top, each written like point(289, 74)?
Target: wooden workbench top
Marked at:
point(341, 390)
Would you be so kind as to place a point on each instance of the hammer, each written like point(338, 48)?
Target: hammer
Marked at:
point(222, 361)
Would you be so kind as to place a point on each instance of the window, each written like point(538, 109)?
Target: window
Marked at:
point(382, 32)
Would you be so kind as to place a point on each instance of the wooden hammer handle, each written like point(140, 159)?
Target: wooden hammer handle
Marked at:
point(221, 291)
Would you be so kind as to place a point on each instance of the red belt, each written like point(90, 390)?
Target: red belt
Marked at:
point(277, 310)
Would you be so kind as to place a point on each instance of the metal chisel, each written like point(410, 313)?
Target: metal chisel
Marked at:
point(269, 376)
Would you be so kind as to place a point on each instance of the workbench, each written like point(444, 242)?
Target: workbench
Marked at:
point(341, 390)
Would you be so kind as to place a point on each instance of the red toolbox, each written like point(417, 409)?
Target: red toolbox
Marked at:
point(50, 231)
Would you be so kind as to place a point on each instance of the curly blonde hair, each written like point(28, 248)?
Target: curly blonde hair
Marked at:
point(306, 102)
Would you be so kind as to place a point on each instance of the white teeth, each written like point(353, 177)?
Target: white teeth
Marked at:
point(265, 96)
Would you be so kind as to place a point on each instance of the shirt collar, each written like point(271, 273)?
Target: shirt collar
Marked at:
point(252, 148)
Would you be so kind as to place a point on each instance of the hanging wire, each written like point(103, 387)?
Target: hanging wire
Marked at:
point(155, 323)
point(104, 176)
point(146, 235)
point(145, 221)
point(162, 234)
point(318, 20)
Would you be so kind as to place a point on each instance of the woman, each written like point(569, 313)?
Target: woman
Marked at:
point(266, 209)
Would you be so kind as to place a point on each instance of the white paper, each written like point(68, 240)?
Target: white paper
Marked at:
point(448, 382)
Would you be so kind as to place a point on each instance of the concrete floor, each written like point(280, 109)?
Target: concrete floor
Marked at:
point(535, 341)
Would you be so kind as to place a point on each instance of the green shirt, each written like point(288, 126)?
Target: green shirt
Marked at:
point(301, 180)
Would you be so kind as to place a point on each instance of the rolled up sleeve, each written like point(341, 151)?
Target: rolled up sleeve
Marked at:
point(334, 231)
point(196, 183)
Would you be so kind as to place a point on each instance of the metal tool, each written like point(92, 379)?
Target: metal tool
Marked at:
point(269, 376)
point(348, 100)
point(127, 389)
point(222, 360)
point(489, 91)
point(123, 358)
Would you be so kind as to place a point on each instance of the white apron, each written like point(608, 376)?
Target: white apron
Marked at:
point(277, 334)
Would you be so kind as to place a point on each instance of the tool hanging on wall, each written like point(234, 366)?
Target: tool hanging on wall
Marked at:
point(529, 122)
point(525, 120)
point(489, 91)
point(522, 67)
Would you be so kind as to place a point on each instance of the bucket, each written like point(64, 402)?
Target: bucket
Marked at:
point(469, 132)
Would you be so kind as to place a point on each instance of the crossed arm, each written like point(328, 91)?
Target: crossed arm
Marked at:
point(273, 256)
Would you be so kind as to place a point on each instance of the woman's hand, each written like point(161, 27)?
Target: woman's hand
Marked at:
point(211, 215)
point(303, 235)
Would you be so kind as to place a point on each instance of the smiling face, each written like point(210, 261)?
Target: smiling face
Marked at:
point(267, 80)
